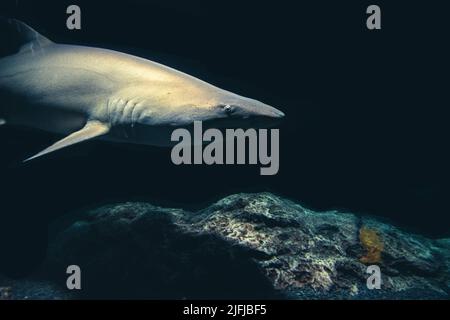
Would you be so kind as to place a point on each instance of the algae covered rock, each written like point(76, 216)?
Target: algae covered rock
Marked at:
point(245, 246)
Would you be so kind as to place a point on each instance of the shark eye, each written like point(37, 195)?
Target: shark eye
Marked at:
point(228, 109)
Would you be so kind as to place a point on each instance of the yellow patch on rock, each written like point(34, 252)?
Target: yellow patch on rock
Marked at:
point(372, 243)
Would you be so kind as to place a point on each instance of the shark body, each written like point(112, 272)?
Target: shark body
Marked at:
point(85, 92)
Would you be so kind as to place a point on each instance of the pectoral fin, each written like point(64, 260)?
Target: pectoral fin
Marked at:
point(91, 130)
point(2, 121)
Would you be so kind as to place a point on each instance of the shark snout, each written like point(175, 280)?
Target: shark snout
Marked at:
point(278, 114)
point(266, 116)
point(269, 112)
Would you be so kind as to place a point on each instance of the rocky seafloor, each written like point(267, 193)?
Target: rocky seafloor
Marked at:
point(257, 246)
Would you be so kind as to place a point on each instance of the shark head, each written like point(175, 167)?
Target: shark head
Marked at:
point(215, 108)
point(234, 111)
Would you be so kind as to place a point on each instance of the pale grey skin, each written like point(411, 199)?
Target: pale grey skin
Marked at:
point(87, 92)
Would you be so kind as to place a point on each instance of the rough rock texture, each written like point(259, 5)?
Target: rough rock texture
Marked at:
point(243, 246)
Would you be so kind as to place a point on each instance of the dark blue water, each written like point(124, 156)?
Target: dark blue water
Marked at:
point(366, 126)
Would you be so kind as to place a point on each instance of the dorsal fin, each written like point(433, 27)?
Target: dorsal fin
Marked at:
point(16, 36)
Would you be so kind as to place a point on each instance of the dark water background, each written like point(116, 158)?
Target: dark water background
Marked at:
point(367, 112)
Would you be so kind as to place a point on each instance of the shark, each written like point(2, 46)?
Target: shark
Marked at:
point(82, 93)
